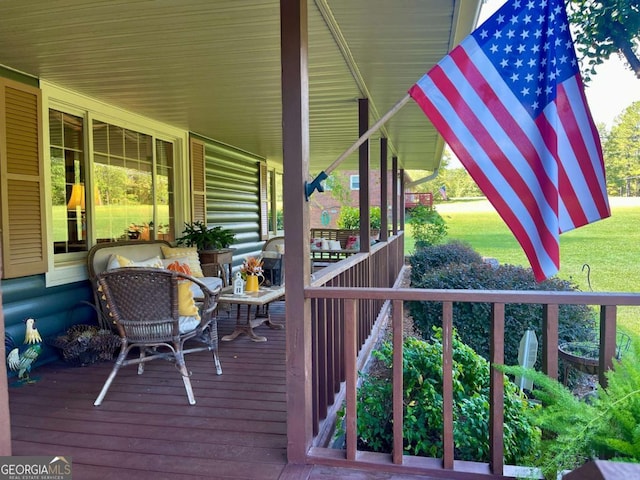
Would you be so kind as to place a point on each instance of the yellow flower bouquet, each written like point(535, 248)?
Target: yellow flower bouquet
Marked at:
point(251, 266)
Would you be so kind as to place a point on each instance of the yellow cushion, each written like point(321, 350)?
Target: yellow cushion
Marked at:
point(186, 303)
point(190, 254)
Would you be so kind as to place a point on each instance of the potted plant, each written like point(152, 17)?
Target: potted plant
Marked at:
point(212, 242)
point(198, 234)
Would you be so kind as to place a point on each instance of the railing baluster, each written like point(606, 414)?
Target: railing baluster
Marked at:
point(331, 369)
point(398, 382)
point(607, 341)
point(325, 396)
point(550, 340)
point(447, 385)
point(317, 388)
point(350, 353)
point(496, 405)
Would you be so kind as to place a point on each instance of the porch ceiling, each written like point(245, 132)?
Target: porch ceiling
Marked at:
point(213, 67)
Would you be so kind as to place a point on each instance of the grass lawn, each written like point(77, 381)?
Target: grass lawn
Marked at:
point(611, 247)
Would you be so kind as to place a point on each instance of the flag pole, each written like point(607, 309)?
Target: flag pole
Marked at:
point(316, 184)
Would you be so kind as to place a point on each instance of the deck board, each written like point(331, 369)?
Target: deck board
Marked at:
point(145, 428)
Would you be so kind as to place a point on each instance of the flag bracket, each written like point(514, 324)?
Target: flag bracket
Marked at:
point(316, 184)
point(309, 188)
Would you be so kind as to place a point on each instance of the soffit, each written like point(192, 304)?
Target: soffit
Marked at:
point(213, 67)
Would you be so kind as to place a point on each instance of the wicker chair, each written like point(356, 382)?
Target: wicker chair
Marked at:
point(273, 261)
point(275, 244)
point(143, 305)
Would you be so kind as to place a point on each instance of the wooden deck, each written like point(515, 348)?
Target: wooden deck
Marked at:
point(146, 430)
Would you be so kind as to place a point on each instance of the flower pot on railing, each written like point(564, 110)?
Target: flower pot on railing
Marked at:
point(585, 356)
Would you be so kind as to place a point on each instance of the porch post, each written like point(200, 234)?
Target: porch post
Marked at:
point(394, 193)
point(384, 200)
point(402, 187)
point(295, 141)
point(364, 173)
point(5, 418)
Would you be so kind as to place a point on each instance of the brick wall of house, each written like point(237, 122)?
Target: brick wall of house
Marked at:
point(326, 203)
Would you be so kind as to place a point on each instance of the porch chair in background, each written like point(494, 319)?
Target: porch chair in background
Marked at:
point(215, 270)
point(153, 310)
point(273, 261)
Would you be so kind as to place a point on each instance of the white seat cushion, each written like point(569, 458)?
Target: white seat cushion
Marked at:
point(211, 282)
point(188, 323)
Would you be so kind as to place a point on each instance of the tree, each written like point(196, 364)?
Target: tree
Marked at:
point(604, 27)
point(337, 185)
point(622, 153)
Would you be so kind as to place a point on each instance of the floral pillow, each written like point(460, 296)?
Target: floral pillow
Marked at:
point(188, 254)
point(353, 242)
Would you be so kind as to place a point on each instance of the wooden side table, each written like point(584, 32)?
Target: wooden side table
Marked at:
point(261, 300)
point(223, 257)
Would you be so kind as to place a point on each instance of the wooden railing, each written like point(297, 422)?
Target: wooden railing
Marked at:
point(350, 303)
point(412, 200)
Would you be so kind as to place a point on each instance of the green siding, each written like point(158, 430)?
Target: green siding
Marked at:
point(19, 77)
point(233, 195)
point(55, 309)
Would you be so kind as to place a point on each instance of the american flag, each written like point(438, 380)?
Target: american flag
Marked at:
point(509, 101)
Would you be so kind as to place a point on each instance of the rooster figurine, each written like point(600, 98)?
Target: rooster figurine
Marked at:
point(21, 359)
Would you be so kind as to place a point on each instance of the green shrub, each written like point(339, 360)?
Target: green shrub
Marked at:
point(422, 370)
point(349, 218)
point(605, 427)
point(436, 256)
point(427, 226)
point(473, 320)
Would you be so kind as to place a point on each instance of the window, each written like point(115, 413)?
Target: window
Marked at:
point(274, 194)
point(110, 175)
point(66, 140)
point(132, 184)
point(354, 182)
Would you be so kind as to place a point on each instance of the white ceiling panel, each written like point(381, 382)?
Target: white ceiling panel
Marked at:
point(213, 66)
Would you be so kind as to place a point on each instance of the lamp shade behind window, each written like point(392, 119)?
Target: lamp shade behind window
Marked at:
point(77, 197)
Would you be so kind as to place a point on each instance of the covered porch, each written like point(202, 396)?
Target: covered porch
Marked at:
point(213, 74)
point(238, 72)
point(145, 428)
point(243, 425)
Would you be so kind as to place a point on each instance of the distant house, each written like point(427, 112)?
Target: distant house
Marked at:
point(342, 188)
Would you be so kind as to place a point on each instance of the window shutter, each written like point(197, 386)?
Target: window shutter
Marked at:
point(21, 180)
point(264, 203)
point(198, 181)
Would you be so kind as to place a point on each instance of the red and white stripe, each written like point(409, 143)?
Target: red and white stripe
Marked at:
point(544, 176)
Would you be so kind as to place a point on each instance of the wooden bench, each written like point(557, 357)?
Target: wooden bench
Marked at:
point(138, 251)
point(321, 257)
